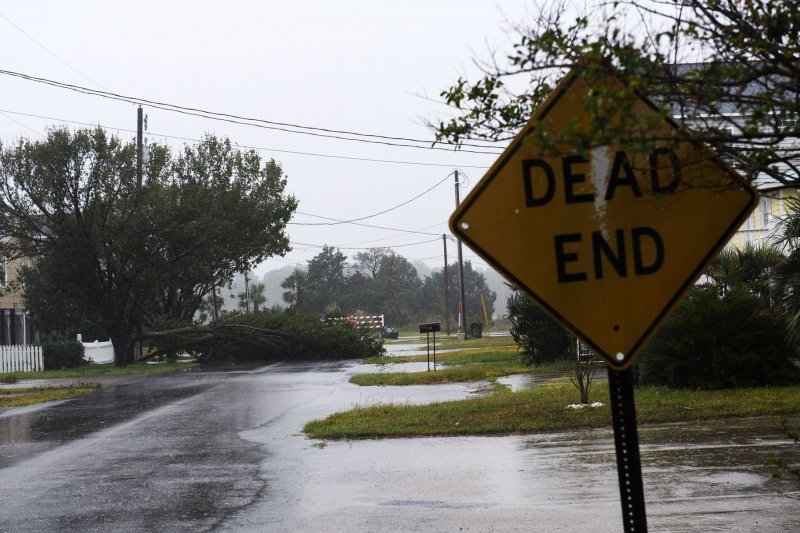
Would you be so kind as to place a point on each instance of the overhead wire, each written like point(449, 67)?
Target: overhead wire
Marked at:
point(336, 222)
point(12, 119)
point(249, 147)
point(53, 54)
point(361, 247)
point(385, 140)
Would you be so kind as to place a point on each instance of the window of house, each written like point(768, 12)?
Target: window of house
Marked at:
point(3, 272)
point(748, 222)
point(764, 209)
point(787, 125)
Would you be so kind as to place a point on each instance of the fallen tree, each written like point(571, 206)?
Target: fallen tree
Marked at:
point(267, 335)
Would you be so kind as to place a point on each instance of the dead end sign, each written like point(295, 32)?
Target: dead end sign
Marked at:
point(606, 241)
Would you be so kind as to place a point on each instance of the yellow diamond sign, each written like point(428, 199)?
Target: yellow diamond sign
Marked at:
point(607, 241)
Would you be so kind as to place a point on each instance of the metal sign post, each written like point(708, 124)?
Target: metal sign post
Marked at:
point(428, 345)
point(626, 440)
point(434, 350)
point(427, 329)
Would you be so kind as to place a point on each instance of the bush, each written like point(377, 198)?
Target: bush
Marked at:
point(297, 337)
point(714, 342)
point(476, 330)
point(63, 354)
point(539, 337)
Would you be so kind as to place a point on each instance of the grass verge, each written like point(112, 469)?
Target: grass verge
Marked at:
point(457, 357)
point(459, 367)
point(544, 409)
point(446, 343)
point(30, 396)
point(90, 371)
point(450, 374)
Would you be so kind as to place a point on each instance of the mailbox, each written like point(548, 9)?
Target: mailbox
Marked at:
point(428, 328)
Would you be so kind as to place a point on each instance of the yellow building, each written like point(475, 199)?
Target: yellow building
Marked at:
point(763, 225)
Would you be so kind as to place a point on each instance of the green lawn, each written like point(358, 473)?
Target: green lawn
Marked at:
point(30, 396)
point(544, 409)
point(91, 371)
point(455, 367)
point(449, 374)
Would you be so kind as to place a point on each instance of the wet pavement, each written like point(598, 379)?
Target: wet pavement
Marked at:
point(214, 451)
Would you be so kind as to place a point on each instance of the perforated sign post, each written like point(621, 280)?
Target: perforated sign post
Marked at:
point(606, 241)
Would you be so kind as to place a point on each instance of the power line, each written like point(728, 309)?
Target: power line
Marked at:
point(12, 119)
point(337, 222)
point(385, 140)
point(371, 226)
point(260, 148)
point(362, 247)
point(420, 231)
point(43, 47)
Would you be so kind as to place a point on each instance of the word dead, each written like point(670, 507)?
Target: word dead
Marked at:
point(637, 251)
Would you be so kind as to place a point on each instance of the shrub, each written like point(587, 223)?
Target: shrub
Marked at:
point(63, 354)
point(539, 337)
point(715, 342)
point(476, 330)
point(296, 337)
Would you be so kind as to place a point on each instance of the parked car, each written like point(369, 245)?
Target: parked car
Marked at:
point(390, 333)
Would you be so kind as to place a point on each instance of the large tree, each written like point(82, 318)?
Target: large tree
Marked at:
point(432, 293)
point(325, 280)
point(727, 69)
point(392, 289)
point(108, 248)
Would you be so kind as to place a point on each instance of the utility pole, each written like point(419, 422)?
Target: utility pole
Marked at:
point(461, 272)
point(139, 159)
point(246, 292)
point(446, 288)
point(139, 145)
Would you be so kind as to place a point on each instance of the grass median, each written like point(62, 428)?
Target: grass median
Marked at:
point(458, 367)
point(92, 371)
point(29, 396)
point(544, 408)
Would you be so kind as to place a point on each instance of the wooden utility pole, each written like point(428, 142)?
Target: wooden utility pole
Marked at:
point(246, 292)
point(461, 272)
point(139, 145)
point(446, 288)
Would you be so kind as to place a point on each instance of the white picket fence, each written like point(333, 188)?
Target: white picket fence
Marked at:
point(99, 352)
point(21, 359)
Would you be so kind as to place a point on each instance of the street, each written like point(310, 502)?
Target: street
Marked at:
point(223, 451)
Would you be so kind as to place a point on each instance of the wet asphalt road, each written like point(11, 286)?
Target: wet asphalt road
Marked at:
point(214, 451)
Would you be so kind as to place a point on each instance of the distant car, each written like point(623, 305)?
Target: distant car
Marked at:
point(390, 333)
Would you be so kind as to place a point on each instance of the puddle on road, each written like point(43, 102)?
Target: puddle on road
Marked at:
point(403, 349)
point(518, 382)
point(393, 367)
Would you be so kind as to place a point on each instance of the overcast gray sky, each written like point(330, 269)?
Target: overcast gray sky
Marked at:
point(362, 66)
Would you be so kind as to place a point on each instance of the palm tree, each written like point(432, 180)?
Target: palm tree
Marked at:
point(750, 268)
point(295, 284)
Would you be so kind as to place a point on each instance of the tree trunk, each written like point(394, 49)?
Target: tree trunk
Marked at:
point(123, 347)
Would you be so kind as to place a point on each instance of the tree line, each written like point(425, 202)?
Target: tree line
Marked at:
point(380, 281)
